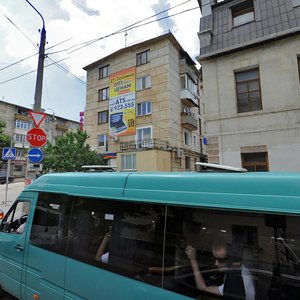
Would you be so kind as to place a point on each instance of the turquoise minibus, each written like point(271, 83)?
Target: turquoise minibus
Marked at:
point(115, 235)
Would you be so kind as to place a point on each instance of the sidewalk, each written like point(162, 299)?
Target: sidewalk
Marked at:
point(14, 189)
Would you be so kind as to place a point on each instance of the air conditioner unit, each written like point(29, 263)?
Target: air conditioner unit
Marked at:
point(179, 152)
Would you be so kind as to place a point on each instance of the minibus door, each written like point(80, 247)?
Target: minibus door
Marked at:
point(13, 237)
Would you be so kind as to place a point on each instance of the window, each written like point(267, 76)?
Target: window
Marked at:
point(23, 125)
point(188, 84)
point(195, 142)
point(128, 162)
point(143, 136)
point(187, 163)
point(242, 13)
point(144, 108)
point(21, 138)
point(245, 255)
point(187, 138)
point(102, 142)
point(248, 90)
point(103, 72)
point(122, 237)
point(143, 83)
point(103, 94)
point(19, 153)
point(15, 219)
point(299, 66)
point(103, 117)
point(142, 58)
point(50, 222)
point(255, 162)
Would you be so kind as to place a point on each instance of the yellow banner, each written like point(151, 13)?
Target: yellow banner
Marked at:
point(122, 110)
point(122, 82)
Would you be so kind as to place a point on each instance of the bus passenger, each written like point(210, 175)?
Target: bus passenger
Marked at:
point(102, 254)
point(234, 284)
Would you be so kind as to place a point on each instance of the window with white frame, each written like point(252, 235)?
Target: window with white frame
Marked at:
point(19, 153)
point(188, 84)
point(187, 138)
point(128, 162)
point(103, 94)
point(144, 108)
point(143, 135)
point(23, 125)
point(143, 82)
point(21, 138)
point(142, 57)
point(103, 72)
point(102, 142)
point(102, 117)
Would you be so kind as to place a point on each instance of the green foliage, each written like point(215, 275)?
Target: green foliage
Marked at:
point(4, 139)
point(69, 153)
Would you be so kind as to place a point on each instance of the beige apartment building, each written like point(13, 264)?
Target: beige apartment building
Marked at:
point(250, 57)
point(143, 107)
point(18, 122)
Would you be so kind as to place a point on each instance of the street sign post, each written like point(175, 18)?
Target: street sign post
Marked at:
point(36, 137)
point(35, 155)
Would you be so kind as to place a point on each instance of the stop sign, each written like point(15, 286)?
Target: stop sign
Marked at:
point(36, 137)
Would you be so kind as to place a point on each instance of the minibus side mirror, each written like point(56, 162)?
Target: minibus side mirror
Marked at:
point(1, 215)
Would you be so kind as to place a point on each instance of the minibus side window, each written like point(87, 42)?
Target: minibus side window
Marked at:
point(123, 237)
point(15, 219)
point(50, 222)
point(240, 255)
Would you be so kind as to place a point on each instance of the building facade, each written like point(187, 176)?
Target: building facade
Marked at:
point(157, 125)
point(250, 57)
point(18, 122)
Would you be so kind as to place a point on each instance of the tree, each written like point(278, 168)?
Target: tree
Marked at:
point(69, 153)
point(4, 139)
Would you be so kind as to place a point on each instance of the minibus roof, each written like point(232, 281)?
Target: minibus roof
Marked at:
point(252, 191)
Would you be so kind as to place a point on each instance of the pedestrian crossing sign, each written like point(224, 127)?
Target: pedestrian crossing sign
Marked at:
point(9, 153)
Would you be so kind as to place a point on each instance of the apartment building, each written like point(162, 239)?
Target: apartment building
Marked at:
point(18, 122)
point(143, 107)
point(250, 57)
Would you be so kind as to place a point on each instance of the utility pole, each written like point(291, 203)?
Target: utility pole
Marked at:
point(40, 73)
point(40, 70)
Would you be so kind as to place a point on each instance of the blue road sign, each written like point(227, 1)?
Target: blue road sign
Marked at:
point(35, 155)
point(9, 153)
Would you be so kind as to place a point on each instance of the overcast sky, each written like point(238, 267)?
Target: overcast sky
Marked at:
point(69, 25)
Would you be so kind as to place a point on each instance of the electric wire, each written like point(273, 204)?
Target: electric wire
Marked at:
point(88, 43)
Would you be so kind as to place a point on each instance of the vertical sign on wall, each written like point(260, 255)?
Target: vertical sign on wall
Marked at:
point(122, 102)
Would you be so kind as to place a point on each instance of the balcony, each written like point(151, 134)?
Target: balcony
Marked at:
point(23, 118)
point(188, 98)
point(61, 127)
point(188, 121)
point(144, 145)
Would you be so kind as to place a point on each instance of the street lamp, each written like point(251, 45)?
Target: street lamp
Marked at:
point(40, 70)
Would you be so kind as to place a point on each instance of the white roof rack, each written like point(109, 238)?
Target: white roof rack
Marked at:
point(207, 167)
point(98, 168)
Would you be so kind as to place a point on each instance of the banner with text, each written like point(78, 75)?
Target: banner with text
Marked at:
point(122, 102)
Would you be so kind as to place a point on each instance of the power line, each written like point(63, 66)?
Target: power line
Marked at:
point(19, 61)
point(88, 43)
point(30, 72)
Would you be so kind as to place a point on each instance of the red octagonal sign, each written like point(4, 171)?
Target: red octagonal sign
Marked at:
point(36, 137)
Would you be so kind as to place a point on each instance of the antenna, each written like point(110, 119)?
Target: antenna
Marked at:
point(126, 38)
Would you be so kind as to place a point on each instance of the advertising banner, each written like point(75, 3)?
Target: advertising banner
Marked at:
point(122, 103)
